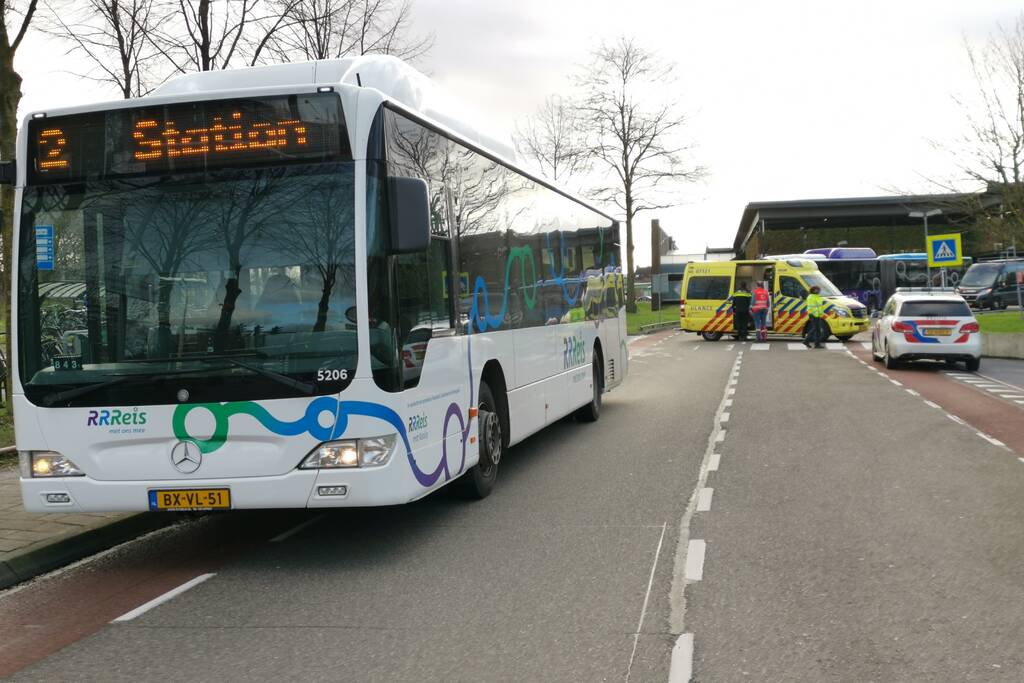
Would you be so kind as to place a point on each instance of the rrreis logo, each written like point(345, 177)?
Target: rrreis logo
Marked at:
point(573, 351)
point(118, 420)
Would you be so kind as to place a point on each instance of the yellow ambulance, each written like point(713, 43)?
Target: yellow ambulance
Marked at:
point(705, 307)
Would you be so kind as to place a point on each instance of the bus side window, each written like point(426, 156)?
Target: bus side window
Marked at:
point(791, 287)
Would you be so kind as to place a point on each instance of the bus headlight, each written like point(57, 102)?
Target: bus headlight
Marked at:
point(369, 452)
point(48, 464)
point(376, 451)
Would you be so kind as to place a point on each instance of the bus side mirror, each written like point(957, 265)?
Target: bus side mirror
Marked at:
point(8, 171)
point(409, 206)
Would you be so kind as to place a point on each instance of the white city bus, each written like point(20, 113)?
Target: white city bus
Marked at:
point(293, 286)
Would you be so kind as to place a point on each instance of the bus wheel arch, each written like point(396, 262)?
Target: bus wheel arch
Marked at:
point(492, 417)
point(493, 376)
point(591, 411)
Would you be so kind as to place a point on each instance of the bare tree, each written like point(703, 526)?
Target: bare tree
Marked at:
point(204, 35)
point(15, 19)
point(993, 144)
point(115, 37)
point(634, 128)
point(554, 138)
point(330, 29)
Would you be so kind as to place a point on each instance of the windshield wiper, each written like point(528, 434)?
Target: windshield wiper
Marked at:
point(50, 399)
point(75, 392)
point(304, 387)
point(67, 394)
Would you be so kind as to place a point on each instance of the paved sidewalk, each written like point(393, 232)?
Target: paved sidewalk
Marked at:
point(33, 543)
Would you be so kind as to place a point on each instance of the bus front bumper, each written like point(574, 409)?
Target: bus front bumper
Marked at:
point(356, 487)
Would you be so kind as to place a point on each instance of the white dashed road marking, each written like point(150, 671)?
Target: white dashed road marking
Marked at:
point(713, 463)
point(695, 559)
point(704, 499)
point(681, 668)
point(296, 529)
point(161, 599)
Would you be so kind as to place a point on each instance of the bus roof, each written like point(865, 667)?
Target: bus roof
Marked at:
point(391, 76)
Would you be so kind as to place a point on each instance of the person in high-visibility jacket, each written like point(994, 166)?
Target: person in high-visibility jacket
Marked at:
point(816, 325)
point(741, 311)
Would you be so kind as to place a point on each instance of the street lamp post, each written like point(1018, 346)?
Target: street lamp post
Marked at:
point(926, 215)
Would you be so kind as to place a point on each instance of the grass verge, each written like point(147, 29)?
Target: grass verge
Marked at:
point(1004, 322)
point(645, 316)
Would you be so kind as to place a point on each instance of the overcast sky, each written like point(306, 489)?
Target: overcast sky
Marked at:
point(787, 99)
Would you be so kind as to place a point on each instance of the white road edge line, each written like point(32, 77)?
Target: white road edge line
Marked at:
point(680, 670)
point(647, 597)
point(159, 600)
point(704, 499)
point(296, 529)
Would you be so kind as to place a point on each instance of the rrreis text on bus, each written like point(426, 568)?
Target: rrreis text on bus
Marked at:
point(294, 286)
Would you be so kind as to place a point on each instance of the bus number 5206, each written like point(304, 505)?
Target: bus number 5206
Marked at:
point(329, 375)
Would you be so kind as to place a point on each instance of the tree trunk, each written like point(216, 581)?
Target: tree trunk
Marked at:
point(630, 284)
point(10, 97)
point(325, 300)
point(227, 310)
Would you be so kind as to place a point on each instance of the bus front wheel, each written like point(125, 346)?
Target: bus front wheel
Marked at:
point(478, 482)
point(711, 336)
point(592, 411)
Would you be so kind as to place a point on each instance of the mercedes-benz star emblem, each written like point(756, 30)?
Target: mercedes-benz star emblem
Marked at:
point(186, 457)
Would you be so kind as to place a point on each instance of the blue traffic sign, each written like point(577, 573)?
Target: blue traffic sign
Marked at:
point(944, 250)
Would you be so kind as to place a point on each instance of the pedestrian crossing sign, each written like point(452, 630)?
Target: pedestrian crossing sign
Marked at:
point(944, 250)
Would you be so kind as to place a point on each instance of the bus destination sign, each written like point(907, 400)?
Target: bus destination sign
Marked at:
point(187, 137)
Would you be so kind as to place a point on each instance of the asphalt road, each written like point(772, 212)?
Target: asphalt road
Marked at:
point(790, 514)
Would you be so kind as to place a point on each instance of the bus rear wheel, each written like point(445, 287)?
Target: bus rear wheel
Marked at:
point(711, 336)
point(478, 482)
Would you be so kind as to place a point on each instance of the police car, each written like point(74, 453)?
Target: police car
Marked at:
point(920, 324)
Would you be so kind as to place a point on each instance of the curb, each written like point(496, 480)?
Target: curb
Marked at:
point(74, 548)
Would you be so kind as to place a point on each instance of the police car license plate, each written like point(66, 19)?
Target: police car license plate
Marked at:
point(937, 331)
point(190, 499)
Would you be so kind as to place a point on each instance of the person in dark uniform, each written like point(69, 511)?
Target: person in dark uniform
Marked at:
point(741, 311)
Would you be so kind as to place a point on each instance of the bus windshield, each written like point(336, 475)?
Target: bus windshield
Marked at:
point(225, 285)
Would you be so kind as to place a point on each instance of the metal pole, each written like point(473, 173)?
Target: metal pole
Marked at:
point(926, 252)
